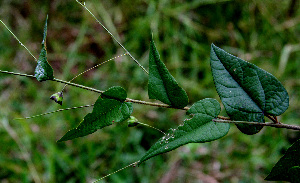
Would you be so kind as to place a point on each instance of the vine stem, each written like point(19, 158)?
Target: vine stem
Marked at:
point(18, 40)
point(222, 119)
point(94, 68)
point(84, 6)
point(151, 127)
point(132, 164)
point(276, 125)
point(70, 108)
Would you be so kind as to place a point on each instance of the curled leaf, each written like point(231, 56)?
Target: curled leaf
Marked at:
point(162, 85)
point(43, 70)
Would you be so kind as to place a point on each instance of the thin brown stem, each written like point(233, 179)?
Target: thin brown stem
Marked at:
point(276, 125)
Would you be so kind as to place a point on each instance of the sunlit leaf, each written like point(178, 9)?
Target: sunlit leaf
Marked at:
point(105, 112)
point(198, 129)
point(162, 85)
point(43, 70)
point(287, 168)
point(247, 92)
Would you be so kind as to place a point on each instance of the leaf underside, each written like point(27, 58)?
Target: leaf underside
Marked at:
point(247, 92)
point(198, 129)
point(288, 167)
point(105, 112)
point(43, 70)
point(162, 85)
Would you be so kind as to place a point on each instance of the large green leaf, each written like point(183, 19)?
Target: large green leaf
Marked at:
point(43, 70)
point(200, 128)
point(287, 168)
point(247, 92)
point(105, 112)
point(162, 85)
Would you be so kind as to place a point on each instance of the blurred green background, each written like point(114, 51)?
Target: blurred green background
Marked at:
point(263, 32)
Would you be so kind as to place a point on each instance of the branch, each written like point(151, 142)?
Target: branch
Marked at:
point(276, 125)
point(222, 119)
point(59, 110)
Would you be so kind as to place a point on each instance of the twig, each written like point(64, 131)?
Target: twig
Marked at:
point(151, 127)
point(18, 74)
point(84, 6)
point(18, 40)
point(132, 164)
point(276, 125)
point(223, 119)
point(94, 68)
point(55, 111)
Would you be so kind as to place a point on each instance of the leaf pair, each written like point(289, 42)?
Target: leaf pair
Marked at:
point(198, 129)
point(247, 92)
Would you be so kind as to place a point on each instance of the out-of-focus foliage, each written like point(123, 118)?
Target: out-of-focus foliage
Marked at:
point(262, 32)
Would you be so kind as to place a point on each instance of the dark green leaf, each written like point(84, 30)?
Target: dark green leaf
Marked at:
point(115, 92)
point(105, 112)
point(247, 92)
point(43, 70)
point(57, 97)
point(287, 165)
point(162, 85)
point(294, 174)
point(200, 128)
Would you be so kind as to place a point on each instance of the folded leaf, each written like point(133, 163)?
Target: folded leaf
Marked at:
point(247, 92)
point(200, 128)
point(287, 166)
point(105, 112)
point(162, 85)
point(43, 70)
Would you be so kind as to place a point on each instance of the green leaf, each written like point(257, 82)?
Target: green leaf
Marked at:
point(200, 128)
point(294, 173)
point(115, 92)
point(57, 97)
point(105, 112)
point(247, 92)
point(162, 85)
point(43, 70)
point(287, 165)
